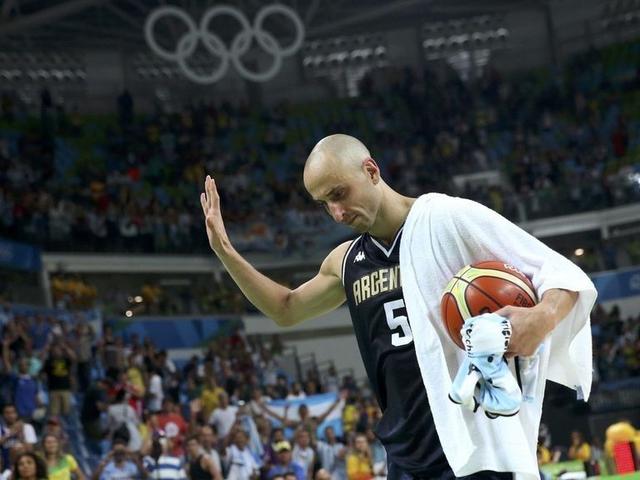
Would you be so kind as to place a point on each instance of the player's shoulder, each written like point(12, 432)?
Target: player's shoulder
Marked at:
point(333, 262)
point(441, 203)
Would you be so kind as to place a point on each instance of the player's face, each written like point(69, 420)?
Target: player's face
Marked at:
point(350, 197)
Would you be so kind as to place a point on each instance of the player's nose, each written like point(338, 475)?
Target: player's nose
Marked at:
point(337, 212)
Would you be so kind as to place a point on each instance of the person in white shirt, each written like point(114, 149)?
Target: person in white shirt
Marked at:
point(14, 431)
point(155, 392)
point(303, 454)
point(241, 464)
point(296, 392)
point(160, 464)
point(332, 454)
point(224, 416)
point(120, 414)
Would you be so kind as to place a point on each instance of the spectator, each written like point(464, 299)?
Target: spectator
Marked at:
point(160, 464)
point(84, 342)
point(579, 449)
point(14, 431)
point(155, 394)
point(57, 369)
point(120, 464)
point(94, 403)
point(134, 384)
point(171, 421)
point(60, 466)
point(112, 353)
point(378, 454)
point(224, 416)
point(208, 441)
point(296, 392)
point(122, 422)
point(323, 474)
point(284, 463)
point(303, 453)
point(304, 418)
point(263, 427)
point(241, 465)
point(25, 388)
point(201, 466)
point(40, 331)
point(359, 461)
point(53, 426)
point(332, 455)
point(29, 466)
point(331, 381)
point(543, 454)
point(210, 396)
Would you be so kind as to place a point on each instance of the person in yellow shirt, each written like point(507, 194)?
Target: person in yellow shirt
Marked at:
point(209, 396)
point(359, 462)
point(350, 415)
point(135, 378)
point(544, 455)
point(60, 465)
point(579, 449)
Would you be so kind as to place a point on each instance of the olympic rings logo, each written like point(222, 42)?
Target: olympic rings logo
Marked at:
point(240, 44)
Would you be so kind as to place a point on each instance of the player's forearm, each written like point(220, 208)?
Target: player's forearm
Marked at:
point(268, 296)
point(556, 305)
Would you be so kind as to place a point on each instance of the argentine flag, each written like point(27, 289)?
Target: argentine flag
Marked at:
point(318, 405)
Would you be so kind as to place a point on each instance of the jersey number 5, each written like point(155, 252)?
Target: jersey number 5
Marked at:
point(395, 321)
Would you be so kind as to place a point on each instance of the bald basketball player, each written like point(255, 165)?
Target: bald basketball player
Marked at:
point(341, 175)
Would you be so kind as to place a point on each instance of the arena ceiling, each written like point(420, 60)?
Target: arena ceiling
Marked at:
point(83, 24)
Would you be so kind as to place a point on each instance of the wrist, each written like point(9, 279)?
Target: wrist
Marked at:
point(225, 251)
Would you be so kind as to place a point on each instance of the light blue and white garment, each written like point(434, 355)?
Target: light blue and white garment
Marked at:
point(484, 379)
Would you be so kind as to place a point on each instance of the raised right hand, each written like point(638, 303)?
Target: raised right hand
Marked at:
point(210, 201)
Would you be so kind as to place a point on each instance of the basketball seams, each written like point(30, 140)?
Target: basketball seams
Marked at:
point(470, 283)
point(478, 289)
point(507, 276)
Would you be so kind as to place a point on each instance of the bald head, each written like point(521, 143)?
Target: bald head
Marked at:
point(337, 153)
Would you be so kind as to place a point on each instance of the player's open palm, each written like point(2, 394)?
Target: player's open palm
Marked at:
point(210, 201)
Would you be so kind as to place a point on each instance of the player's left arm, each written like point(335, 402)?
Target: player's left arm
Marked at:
point(529, 326)
point(559, 283)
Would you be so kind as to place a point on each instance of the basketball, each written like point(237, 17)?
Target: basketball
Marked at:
point(483, 288)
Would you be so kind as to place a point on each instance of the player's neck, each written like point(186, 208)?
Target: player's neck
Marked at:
point(393, 213)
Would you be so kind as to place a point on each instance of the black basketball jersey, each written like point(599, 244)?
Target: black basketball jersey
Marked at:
point(372, 282)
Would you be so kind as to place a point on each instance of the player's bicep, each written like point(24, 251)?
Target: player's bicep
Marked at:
point(319, 295)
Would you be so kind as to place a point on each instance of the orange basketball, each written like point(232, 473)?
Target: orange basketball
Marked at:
point(480, 288)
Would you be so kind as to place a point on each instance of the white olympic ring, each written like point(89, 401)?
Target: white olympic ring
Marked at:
point(240, 44)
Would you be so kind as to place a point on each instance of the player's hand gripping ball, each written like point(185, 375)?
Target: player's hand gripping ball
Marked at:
point(483, 288)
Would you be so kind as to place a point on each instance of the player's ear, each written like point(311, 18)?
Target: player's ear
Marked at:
point(371, 169)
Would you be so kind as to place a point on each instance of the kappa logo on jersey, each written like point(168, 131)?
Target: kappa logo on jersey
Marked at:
point(359, 257)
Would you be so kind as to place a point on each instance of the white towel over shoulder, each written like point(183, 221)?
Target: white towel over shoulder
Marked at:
point(441, 235)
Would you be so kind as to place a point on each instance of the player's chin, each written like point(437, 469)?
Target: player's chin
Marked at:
point(359, 226)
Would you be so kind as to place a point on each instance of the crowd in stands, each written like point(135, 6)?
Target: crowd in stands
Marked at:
point(616, 342)
point(142, 416)
point(564, 142)
point(211, 418)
